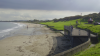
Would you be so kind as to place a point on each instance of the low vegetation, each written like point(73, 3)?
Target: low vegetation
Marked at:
point(93, 51)
point(60, 25)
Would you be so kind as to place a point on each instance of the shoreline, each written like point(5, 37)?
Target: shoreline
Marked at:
point(36, 40)
point(8, 32)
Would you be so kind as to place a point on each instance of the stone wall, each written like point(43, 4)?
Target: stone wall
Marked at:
point(74, 50)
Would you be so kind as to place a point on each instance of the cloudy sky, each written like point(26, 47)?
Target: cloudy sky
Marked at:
point(46, 9)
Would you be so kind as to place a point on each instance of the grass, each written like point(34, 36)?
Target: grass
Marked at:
point(93, 51)
point(91, 27)
point(60, 25)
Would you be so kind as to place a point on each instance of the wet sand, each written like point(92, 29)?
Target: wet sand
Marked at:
point(36, 40)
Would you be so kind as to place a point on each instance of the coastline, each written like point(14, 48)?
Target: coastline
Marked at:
point(9, 28)
point(36, 40)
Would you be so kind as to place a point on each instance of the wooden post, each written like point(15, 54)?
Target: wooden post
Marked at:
point(89, 33)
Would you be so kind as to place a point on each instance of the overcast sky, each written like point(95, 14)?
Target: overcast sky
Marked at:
point(46, 9)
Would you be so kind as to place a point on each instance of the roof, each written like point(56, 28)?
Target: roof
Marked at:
point(90, 19)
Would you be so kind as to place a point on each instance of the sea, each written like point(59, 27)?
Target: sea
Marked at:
point(6, 28)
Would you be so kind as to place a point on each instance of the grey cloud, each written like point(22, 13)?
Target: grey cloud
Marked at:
point(72, 5)
point(13, 16)
point(9, 14)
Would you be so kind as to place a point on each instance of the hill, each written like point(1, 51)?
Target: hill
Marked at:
point(94, 16)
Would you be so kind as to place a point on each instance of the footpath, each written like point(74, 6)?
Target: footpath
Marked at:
point(79, 32)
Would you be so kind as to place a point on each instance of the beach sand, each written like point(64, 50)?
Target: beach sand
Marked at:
point(41, 42)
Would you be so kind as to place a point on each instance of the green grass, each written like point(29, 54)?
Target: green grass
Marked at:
point(91, 27)
point(60, 25)
point(93, 51)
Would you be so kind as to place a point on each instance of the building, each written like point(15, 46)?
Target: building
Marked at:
point(90, 21)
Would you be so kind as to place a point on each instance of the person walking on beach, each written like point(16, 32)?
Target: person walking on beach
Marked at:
point(27, 26)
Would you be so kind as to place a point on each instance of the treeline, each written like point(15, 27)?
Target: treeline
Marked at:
point(94, 16)
point(67, 18)
point(37, 21)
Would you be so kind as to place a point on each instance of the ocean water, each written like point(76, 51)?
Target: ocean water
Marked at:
point(6, 28)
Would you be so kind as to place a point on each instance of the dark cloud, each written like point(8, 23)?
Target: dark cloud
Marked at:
point(72, 5)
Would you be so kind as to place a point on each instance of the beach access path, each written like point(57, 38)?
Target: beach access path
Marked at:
point(36, 40)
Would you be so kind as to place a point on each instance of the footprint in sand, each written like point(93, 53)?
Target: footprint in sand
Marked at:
point(20, 49)
point(8, 49)
point(22, 55)
point(30, 42)
point(7, 54)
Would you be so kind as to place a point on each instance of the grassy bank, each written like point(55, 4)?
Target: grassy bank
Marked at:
point(60, 25)
point(93, 28)
point(94, 51)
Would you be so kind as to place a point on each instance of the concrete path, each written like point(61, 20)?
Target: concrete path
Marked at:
point(79, 32)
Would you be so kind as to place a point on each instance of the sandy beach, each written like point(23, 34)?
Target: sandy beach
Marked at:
point(36, 40)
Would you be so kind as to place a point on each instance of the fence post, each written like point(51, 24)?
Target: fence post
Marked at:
point(89, 33)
